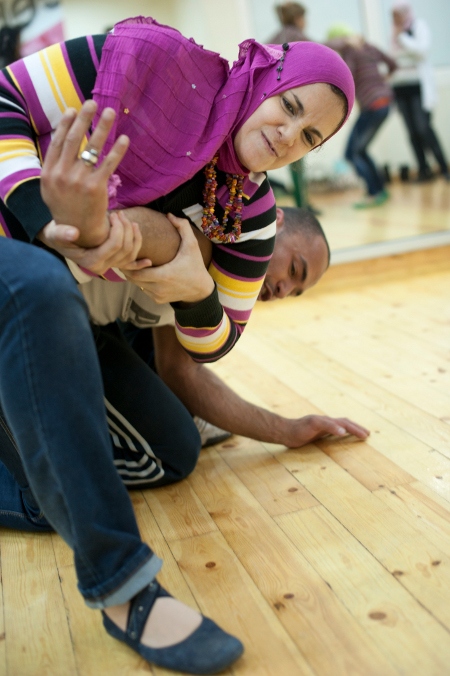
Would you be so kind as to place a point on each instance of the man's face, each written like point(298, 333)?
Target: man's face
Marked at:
point(298, 262)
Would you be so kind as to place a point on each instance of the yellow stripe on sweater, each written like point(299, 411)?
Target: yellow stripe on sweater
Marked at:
point(60, 81)
point(14, 147)
point(240, 287)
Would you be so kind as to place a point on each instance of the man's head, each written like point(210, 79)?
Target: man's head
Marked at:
point(300, 258)
point(292, 14)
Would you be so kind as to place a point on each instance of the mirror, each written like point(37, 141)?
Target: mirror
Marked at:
point(416, 215)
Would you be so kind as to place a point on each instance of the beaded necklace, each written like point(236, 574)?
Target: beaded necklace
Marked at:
point(210, 224)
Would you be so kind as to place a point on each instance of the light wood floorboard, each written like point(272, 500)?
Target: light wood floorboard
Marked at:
point(329, 560)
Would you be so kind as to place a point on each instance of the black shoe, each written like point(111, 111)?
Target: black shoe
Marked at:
point(424, 177)
point(207, 650)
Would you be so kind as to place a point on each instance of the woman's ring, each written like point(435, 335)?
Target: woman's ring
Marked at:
point(90, 157)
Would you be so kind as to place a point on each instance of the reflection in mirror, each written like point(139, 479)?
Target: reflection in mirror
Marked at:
point(416, 215)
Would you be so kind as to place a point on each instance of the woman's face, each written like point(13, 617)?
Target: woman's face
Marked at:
point(287, 126)
point(399, 16)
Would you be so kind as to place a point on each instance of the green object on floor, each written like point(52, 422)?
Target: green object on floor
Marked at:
point(375, 201)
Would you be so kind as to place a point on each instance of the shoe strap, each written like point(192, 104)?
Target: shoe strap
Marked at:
point(140, 607)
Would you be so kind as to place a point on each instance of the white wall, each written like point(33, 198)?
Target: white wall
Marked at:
point(94, 16)
point(211, 23)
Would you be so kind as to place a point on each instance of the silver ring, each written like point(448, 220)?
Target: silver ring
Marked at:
point(90, 157)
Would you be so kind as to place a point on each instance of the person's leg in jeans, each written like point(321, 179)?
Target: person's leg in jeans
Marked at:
point(434, 145)
point(18, 507)
point(409, 103)
point(367, 125)
point(52, 399)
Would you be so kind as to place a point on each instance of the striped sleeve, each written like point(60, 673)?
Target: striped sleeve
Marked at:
point(211, 328)
point(34, 93)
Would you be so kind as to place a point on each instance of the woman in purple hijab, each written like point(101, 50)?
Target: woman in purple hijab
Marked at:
point(201, 135)
point(201, 138)
point(180, 104)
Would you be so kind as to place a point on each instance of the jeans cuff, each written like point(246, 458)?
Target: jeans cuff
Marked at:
point(133, 585)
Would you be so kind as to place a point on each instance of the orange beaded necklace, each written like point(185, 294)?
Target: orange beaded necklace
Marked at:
point(210, 224)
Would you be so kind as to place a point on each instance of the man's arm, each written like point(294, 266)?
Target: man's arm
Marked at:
point(206, 395)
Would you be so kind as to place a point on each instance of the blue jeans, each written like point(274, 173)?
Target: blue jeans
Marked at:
point(367, 125)
point(56, 457)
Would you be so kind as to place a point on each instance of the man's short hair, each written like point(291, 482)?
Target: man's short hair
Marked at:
point(297, 219)
point(288, 12)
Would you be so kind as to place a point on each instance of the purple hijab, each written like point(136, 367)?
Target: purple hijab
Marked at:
point(180, 104)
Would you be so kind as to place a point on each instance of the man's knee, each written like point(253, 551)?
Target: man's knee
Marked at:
point(183, 457)
point(189, 448)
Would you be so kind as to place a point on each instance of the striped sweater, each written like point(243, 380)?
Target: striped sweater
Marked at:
point(34, 93)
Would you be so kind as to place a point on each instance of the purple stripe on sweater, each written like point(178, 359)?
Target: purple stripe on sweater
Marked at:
point(88, 272)
point(198, 333)
point(91, 46)
point(17, 116)
point(260, 206)
point(109, 275)
point(231, 250)
point(240, 316)
point(11, 181)
point(4, 226)
point(71, 73)
point(22, 76)
point(6, 137)
point(43, 143)
point(5, 84)
point(112, 276)
point(228, 274)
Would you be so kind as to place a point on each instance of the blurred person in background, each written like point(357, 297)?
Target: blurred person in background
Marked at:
point(414, 86)
point(374, 96)
point(292, 18)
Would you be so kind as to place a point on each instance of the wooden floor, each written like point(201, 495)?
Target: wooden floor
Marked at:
point(331, 560)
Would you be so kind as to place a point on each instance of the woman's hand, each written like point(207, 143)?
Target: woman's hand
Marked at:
point(76, 191)
point(185, 279)
point(120, 250)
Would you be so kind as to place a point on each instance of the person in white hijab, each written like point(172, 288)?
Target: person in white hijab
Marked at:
point(414, 86)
